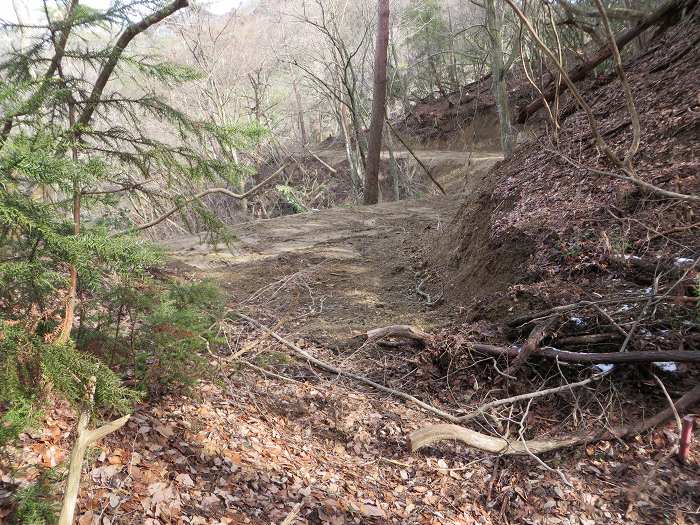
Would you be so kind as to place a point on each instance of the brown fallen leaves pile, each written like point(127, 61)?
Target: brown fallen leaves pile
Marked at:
point(248, 449)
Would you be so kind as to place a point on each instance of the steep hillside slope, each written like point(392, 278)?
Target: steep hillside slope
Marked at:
point(542, 228)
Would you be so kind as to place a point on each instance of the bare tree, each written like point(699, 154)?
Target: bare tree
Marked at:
point(371, 195)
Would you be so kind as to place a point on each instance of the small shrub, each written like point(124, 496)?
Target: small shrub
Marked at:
point(34, 505)
point(20, 416)
point(175, 333)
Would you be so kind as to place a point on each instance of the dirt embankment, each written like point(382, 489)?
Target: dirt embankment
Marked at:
point(541, 227)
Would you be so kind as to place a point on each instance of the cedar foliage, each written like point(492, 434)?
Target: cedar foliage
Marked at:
point(71, 154)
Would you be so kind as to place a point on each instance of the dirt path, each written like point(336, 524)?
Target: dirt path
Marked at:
point(429, 156)
point(337, 448)
point(345, 269)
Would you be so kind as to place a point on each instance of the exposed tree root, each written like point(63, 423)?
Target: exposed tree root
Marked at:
point(85, 438)
point(436, 433)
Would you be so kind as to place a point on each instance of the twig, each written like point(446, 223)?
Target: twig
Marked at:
point(679, 423)
point(270, 374)
point(524, 397)
point(292, 514)
point(521, 437)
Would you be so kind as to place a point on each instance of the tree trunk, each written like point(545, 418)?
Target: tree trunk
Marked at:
point(300, 112)
point(378, 105)
point(494, 25)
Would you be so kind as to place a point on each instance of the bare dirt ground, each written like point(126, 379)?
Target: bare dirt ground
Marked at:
point(358, 265)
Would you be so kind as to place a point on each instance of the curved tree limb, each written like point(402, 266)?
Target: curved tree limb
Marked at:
point(225, 191)
point(436, 433)
point(599, 56)
point(624, 165)
point(122, 42)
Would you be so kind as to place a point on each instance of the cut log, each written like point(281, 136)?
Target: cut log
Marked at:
point(436, 433)
point(599, 56)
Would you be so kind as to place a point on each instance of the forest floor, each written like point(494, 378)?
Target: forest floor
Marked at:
point(270, 437)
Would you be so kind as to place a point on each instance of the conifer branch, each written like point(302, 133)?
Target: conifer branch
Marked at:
point(122, 42)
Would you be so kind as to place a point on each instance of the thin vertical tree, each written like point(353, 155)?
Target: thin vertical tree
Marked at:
point(371, 194)
point(494, 24)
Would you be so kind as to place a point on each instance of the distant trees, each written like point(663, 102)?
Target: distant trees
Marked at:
point(428, 45)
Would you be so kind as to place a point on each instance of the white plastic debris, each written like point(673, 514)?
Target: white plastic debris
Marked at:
point(577, 321)
point(667, 366)
point(603, 367)
point(625, 307)
point(683, 262)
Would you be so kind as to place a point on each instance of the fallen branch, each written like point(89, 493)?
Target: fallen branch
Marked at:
point(533, 341)
point(436, 433)
point(420, 162)
point(680, 356)
point(324, 163)
point(292, 514)
point(540, 314)
point(330, 368)
point(483, 409)
point(84, 440)
point(589, 339)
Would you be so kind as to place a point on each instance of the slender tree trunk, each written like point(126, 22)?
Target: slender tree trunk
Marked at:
point(355, 174)
point(300, 112)
point(69, 315)
point(494, 25)
point(378, 105)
